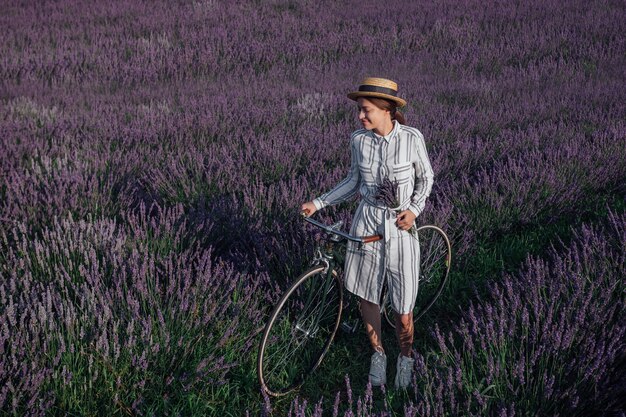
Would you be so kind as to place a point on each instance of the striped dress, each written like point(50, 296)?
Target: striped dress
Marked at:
point(401, 155)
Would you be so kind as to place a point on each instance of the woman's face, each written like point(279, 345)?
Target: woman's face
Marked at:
point(371, 116)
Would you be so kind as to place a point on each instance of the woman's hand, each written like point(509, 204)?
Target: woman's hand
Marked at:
point(405, 219)
point(308, 209)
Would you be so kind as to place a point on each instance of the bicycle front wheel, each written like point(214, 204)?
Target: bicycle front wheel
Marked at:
point(300, 331)
point(435, 262)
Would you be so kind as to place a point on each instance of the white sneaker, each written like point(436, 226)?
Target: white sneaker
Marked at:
point(404, 371)
point(378, 369)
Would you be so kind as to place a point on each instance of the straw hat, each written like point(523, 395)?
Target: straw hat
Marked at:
point(378, 87)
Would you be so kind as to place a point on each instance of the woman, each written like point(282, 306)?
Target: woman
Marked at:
point(385, 148)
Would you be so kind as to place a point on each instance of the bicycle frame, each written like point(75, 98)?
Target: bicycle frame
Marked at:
point(329, 257)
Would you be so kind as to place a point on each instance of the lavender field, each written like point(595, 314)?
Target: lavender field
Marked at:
point(155, 156)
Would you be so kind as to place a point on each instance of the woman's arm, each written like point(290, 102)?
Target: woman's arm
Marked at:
point(423, 177)
point(346, 188)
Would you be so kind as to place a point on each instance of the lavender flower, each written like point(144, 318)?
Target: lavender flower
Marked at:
point(387, 194)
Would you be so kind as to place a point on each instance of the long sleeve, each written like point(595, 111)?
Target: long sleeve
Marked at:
point(346, 188)
point(424, 178)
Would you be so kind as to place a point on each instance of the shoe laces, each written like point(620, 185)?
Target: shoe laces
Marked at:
point(406, 363)
point(378, 357)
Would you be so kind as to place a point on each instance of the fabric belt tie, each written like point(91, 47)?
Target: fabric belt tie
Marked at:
point(390, 214)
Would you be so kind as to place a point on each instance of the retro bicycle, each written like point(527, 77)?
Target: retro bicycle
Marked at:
point(303, 324)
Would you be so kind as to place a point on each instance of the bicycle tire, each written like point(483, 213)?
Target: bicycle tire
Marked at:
point(435, 263)
point(297, 337)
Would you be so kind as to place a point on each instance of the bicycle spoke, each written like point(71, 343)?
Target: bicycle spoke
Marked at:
point(435, 249)
point(290, 352)
point(303, 338)
point(434, 267)
point(297, 339)
point(300, 331)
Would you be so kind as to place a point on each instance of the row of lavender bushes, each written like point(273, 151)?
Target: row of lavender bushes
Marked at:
point(155, 156)
point(548, 340)
point(519, 129)
point(99, 316)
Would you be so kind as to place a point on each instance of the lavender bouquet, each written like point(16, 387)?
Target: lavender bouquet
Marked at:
point(387, 193)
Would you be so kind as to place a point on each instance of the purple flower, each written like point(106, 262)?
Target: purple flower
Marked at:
point(387, 194)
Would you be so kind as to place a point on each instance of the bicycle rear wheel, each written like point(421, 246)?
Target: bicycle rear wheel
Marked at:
point(435, 262)
point(300, 331)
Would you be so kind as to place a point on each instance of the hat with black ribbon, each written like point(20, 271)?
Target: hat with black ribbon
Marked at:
point(378, 87)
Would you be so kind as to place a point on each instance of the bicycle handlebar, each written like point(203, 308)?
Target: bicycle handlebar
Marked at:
point(331, 230)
